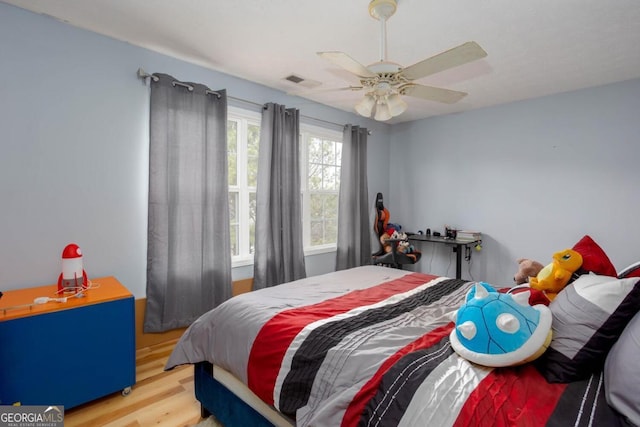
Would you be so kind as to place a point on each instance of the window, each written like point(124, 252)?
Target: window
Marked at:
point(321, 156)
point(243, 137)
point(320, 165)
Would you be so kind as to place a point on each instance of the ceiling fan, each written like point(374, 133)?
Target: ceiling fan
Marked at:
point(385, 81)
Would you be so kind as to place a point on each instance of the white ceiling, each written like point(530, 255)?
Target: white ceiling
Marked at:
point(534, 48)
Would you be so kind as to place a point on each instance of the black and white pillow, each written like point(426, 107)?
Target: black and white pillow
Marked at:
point(588, 317)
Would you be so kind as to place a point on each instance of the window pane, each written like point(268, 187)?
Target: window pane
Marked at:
point(329, 181)
point(232, 151)
point(317, 233)
point(315, 177)
point(252, 171)
point(335, 174)
point(232, 136)
point(328, 152)
point(331, 231)
point(315, 150)
point(233, 206)
point(235, 240)
point(253, 139)
point(338, 153)
point(253, 143)
point(234, 223)
point(252, 222)
point(331, 206)
point(316, 209)
point(232, 160)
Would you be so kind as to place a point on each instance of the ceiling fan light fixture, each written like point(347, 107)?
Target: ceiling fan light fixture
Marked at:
point(382, 9)
point(365, 107)
point(396, 105)
point(386, 82)
point(382, 111)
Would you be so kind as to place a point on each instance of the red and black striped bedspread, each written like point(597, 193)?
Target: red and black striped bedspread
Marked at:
point(379, 355)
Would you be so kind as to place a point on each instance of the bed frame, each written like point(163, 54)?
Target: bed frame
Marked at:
point(222, 395)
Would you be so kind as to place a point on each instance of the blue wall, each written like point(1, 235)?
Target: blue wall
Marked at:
point(74, 149)
point(534, 176)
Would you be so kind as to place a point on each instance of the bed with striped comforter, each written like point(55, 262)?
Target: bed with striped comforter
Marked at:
point(370, 347)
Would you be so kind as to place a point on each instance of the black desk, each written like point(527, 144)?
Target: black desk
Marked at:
point(457, 247)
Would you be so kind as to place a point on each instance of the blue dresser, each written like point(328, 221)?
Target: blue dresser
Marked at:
point(66, 353)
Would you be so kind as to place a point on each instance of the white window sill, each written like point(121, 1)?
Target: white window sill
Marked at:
point(307, 252)
point(242, 262)
point(319, 250)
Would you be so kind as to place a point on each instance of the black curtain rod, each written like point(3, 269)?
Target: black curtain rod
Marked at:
point(143, 74)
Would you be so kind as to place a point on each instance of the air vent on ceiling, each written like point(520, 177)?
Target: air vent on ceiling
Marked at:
point(293, 78)
point(301, 81)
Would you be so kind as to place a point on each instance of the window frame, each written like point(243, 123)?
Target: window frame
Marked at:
point(244, 118)
point(307, 131)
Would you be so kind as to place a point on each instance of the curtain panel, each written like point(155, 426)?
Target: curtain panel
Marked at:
point(354, 231)
point(279, 252)
point(189, 250)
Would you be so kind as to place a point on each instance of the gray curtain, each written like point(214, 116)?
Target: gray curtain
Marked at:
point(354, 232)
point(279, 252)
point(189, 250)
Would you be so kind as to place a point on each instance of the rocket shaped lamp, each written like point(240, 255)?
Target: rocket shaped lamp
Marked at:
point(73, 278)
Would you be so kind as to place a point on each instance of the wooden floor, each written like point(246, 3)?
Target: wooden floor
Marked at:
point(157, 399)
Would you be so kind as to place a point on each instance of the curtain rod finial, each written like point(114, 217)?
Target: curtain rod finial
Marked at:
point(143, 75)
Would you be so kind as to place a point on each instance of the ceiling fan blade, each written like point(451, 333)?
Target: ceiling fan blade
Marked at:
point(343, 60)
point(445, 96)
point(467, 52)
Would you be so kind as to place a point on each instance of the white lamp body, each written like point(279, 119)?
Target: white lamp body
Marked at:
point(73, 278)
point(365, 107)
point(396, 105)
point(382, 111)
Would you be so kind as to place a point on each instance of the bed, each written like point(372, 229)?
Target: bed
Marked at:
point(369, 346)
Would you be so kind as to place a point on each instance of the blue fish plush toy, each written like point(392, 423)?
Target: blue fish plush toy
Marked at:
point(500, 329)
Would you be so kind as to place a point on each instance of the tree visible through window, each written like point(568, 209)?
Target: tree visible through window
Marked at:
point(321, 157)
point(323, 184)
point(322, 154)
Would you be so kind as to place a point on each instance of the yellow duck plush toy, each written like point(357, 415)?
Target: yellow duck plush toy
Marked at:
point(555, 276)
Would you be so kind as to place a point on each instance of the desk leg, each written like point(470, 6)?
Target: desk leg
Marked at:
point(458, 250)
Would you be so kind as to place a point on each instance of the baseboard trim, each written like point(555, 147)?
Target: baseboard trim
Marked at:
point(147, 340)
